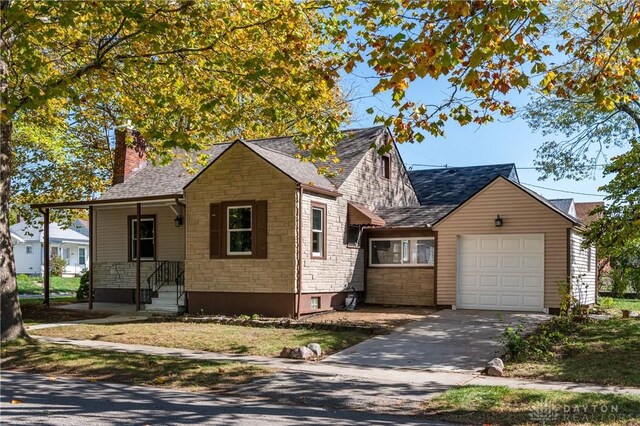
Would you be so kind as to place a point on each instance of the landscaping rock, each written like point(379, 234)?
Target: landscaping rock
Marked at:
point(315, 347)
point(495, 371)
point(496, 362)
point(302, 353)
point(286, 352)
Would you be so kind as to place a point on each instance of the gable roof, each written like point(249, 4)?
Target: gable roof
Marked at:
point(583, 211)
point(280, 151)
point(527, 191)
point(34, 232)
point(454, 185)
point(565, 204)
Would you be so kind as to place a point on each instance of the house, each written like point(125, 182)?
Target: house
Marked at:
point(28, 248)
point(258, 230)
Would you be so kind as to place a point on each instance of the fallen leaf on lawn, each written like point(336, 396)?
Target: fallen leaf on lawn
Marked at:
point(160, 380)
point(16, 401)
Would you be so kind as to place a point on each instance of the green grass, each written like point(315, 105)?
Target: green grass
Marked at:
point(34, 285)
point(129, 368)
point(211, 337)
point(629, 304)
point(499, 405)
point(604, 352)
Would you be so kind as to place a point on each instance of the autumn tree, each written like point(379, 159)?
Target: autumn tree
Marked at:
point(185, 74)
point(589, 103)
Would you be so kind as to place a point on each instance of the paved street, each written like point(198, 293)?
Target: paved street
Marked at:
point(72, 402)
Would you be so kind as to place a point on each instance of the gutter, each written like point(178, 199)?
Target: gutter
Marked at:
point(297, 303)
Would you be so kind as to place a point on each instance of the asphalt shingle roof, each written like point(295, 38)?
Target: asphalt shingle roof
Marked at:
point(583, 211)
point(564, 204)
point(454, 185)
point(34, 232)
point(413, 216)
point(172, 178)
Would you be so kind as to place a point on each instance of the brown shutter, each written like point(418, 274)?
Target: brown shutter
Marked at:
point(215, 231)
point(260, 225)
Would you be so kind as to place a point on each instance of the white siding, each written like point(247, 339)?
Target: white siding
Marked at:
point(583, 270)
point(29, 264)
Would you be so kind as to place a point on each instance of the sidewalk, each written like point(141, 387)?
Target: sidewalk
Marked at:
point(412, 384)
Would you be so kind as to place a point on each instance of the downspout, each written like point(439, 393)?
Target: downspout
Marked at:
point(297, 307)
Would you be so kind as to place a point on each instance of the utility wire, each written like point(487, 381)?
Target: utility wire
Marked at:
point(562, 190)
point(446, 166)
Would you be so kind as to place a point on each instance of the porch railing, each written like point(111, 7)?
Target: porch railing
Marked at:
point(166, 272)
point(179, 286)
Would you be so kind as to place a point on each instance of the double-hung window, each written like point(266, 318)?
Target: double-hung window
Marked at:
point(418, 251)
point(147, 238)
point(82, 256)
point(318, 230)
point(239, 230)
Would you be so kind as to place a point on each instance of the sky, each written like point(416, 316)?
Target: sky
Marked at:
point(506, 140)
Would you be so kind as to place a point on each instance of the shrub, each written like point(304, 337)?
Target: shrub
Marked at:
point(56, 266)
point(538, 345)
point(83, 290)
point(606, 302)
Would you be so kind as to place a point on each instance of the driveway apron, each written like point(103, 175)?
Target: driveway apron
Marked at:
point(450, 340)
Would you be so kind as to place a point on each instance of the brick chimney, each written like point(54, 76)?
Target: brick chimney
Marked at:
point(128, 158)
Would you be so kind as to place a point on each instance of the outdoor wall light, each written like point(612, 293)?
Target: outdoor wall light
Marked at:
point(178, 221)
point(498, 221)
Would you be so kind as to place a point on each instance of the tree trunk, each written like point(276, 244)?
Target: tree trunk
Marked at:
point(10, 314)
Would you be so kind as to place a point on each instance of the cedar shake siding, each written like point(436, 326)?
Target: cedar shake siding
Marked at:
point(240, 175)
point(522, 214)
point(114, 274)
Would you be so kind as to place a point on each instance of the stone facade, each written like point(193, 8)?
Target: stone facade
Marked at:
point(121, 274)
point(240, 174)
point(344, 266)
point(401, 286)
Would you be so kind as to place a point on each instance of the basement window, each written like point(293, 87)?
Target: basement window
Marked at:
point(315, 303)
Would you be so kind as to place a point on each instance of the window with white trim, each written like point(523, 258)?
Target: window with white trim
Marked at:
point(239, 230)
point(318, 213)
point(418, 251)
point(82, 256)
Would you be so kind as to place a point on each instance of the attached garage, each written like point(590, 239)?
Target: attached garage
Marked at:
point(504, 248)
point(501, 272)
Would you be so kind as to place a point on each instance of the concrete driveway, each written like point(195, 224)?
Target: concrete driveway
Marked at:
point(461, 340)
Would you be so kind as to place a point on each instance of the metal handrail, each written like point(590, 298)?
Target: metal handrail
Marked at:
point(166, 272)
point(180, 290)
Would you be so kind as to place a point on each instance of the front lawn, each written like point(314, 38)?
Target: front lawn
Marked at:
point(130, 368)
point(602, 351)
point(35, 285)
point(499, 405)
point(211, 337)
point(34, 312)
point(628, 304)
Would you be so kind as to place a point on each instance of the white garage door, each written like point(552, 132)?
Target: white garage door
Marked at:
point(503, 272)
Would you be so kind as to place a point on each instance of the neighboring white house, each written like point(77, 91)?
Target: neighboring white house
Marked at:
point(28, 248)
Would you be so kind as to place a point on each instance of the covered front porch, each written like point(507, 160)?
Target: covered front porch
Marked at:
point(136, 252)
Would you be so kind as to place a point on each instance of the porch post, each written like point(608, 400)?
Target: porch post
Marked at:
point(46, 257)
point(90, 257)
point(138, 256)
